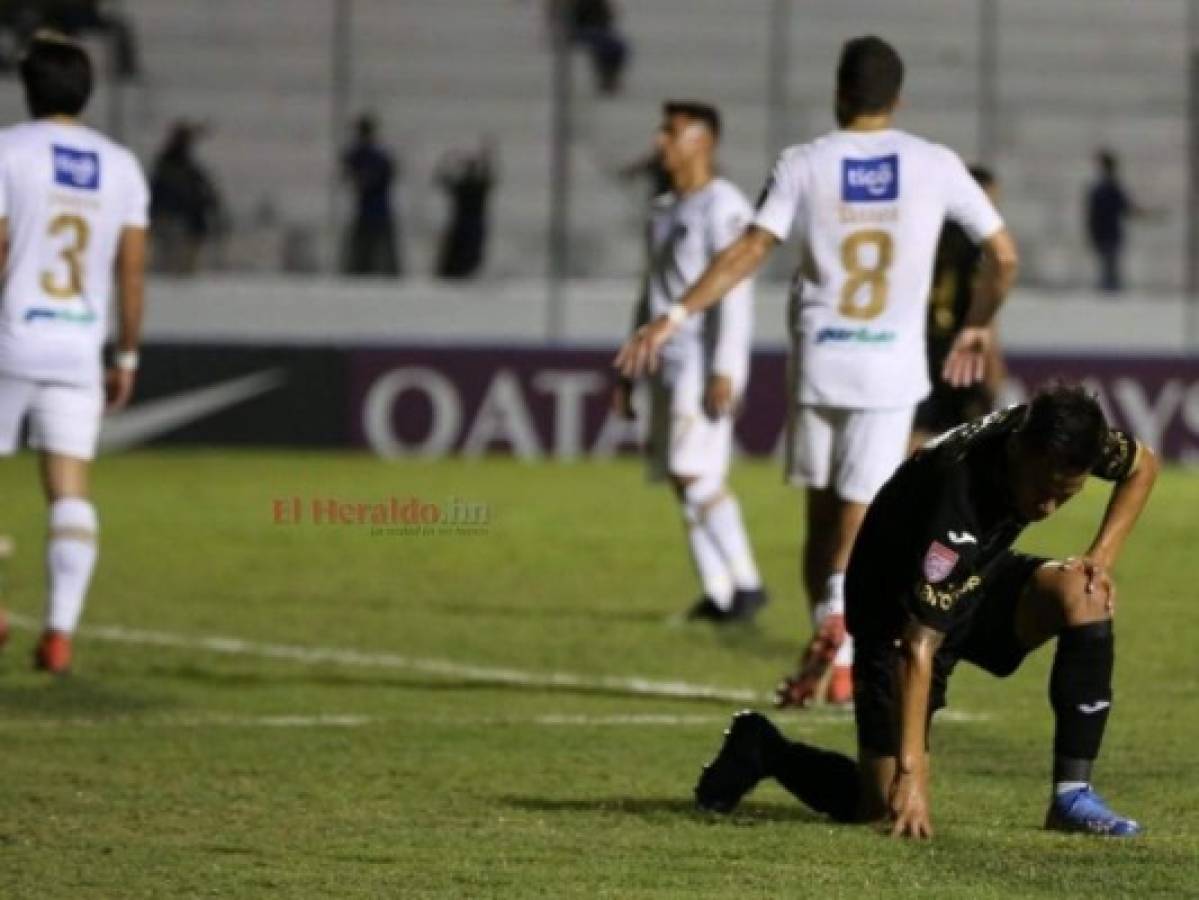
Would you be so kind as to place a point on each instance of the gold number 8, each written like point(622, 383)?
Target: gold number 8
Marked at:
point(874, 277)
point(72, 254)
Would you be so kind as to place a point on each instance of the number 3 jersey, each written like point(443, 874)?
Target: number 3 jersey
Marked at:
point(67, 193)
point(869, 207)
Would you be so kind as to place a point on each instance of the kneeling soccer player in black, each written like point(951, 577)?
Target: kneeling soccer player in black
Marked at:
point(933, 580)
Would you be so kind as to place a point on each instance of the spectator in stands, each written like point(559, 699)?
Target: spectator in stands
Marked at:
point(185, 206)
point(467, 177)
point(591, 24)
point(372, 246)
point(1108, 205)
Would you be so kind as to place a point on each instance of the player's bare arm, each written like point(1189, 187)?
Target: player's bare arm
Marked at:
point(1128, 499)
point(966, 363)
point(908, 796)
point(3, 243)
point(736, 262)
point(131, 280)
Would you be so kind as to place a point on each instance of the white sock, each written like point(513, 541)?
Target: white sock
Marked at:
point(709, 564)
point(70, 558)
point(844, 655)
point(833, 602)
point(1065, 787)
point(727, 530)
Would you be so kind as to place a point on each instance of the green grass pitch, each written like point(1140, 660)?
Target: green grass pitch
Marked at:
point(219, 769)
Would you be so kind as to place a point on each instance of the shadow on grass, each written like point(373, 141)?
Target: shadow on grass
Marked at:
point(240, 679)
point(656, 807)
point(72, 695)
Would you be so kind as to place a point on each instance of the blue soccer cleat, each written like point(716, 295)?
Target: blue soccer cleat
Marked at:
point(1084, 810)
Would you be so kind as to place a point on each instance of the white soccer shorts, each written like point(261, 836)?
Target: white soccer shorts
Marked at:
point(682, 439)
point(853, 451)
point(63, 418)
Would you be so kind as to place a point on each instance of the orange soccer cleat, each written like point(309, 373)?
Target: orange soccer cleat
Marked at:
point(840, 686)
point(53, 653)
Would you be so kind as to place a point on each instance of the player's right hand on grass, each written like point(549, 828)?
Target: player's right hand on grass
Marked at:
point(622, 399)
point(908, 805)
point(966, 363)
point(118, 388)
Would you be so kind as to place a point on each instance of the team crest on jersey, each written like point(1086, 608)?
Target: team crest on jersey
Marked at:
point(874, 180)
point(939, 562)
point(79, 169)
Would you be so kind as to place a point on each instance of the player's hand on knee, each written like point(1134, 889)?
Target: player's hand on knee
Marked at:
point(718, 396)
point(1099, 581)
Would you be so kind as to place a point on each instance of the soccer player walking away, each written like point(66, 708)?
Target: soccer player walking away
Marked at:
point(704, 363)
point(869, 202)
point(954, 270)
point(73, 210)
point(932, 581)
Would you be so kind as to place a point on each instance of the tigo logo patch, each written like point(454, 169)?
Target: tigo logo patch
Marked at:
point(873, 180)
point(78, 169)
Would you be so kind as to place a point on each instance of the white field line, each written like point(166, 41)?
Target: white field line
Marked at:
point(441, 667)
point(213, 720)
point(808, 718)
point(631, 685)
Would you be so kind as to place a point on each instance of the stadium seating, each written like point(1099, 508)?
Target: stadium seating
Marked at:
point(1073, 74)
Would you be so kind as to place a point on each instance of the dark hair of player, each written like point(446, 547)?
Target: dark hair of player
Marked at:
point(869, 77)
point(1065, 424)
point(982, 175)
point(57, 75)
point(694, 109)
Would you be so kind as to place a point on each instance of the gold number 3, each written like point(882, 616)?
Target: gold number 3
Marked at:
point(860, 275)
point(71, 254)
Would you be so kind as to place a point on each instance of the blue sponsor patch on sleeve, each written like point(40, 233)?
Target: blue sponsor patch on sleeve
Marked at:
point(874, 180)
point(79, 169)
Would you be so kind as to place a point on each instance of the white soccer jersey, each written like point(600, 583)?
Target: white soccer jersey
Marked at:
point(869, 207)
point(67, 192)
point(685, 233)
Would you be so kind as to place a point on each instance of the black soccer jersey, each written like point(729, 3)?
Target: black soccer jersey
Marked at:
point(952, 290)
point(934, 529)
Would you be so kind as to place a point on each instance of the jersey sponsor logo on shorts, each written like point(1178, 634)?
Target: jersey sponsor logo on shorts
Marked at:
point(961, 537)
point(853, 335)
point(945, 600)
point(939, 562)
point(874, 180)
point(79, 169)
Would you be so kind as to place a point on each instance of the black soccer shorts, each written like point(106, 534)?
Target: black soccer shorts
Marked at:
point(988, 641)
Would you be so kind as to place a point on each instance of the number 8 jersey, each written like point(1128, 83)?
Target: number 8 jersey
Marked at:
point(67, 192)
point(869, 207)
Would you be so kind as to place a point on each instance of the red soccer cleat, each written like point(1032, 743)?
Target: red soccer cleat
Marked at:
point(802, 688)
point(53, 653)
point(840, 686)
point(3, 629)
